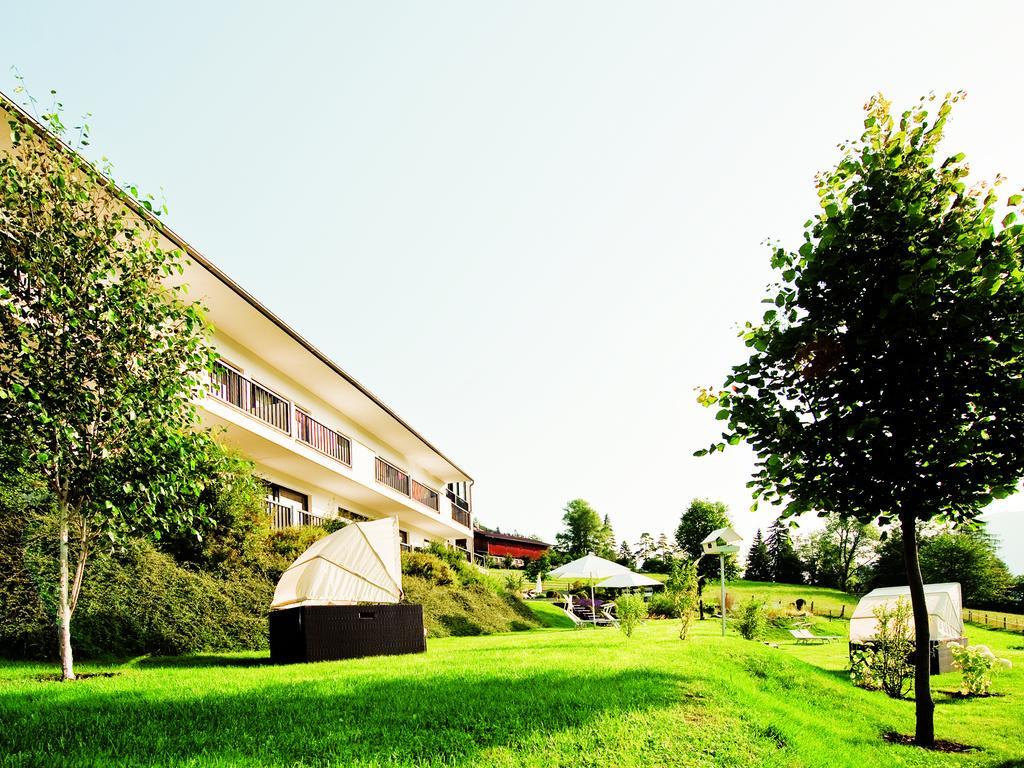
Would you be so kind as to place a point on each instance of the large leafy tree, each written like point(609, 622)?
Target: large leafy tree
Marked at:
point(966, 556)
point(100, 359)
point(698, 520)
point(584, 531)
point(834, 555)
point(886, 377)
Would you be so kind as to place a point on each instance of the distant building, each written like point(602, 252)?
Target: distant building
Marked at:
point(493, 544)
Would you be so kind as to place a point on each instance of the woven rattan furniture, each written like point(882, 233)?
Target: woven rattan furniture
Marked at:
point(330, 632)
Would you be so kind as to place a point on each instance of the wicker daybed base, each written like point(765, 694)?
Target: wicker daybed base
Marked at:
point(330, 632)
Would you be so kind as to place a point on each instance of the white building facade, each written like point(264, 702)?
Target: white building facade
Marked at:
point(324, 444)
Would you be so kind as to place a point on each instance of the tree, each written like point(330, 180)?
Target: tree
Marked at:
point(606, 540)
point(785, 564)
point(682, 591)
point(833, 555)
point(885, 377)
point(967, 556)
point(759, 567)
point(100, 359)
point(625, 556)
point(697, 521)
point(645, 547)
point(584, 532)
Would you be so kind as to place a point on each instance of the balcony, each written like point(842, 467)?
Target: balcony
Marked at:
point(426, 496)
point(285, 516)
point(391, 476)
point(322, 438)
point(245, 394)
point(461, 516)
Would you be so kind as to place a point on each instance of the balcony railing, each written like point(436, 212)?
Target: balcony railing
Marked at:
point(461, 516)
point(322, 438)
point(246, 395)
point(425, 495)
point(284, 515)
point(391, 476)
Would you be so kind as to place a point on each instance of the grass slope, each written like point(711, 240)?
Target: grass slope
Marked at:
point(542, 698)
point(473, 609)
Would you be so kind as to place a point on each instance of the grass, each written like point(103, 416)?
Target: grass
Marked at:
point(543, 698)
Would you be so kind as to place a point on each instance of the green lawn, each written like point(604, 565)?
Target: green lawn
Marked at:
point(544, 698)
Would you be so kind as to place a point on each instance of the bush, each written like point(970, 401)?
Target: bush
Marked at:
point(630, 610)
point(976, 663)
point(662, 606)
point(681, 590)
point(514, 582)
point(753, 619)
point(429, 567)
point(887, 663)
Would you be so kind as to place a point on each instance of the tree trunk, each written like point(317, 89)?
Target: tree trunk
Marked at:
point(67, 662)
point(924, 735)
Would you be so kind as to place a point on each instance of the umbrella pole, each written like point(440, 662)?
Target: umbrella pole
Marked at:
point(593, 606)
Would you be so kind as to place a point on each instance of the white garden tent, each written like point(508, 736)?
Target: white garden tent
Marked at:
point(361, 563)
point(945, 621)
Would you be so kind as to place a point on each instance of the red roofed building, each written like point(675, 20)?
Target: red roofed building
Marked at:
point(494, 544)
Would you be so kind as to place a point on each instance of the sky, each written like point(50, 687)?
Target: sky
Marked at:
point(531, 228)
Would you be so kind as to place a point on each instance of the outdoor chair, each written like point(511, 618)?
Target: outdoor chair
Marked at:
point(804, 636)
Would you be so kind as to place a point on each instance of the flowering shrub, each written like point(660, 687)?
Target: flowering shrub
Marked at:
point(887, 663)
point(976, 662)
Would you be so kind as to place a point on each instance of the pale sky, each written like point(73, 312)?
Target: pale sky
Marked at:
point(531, 228)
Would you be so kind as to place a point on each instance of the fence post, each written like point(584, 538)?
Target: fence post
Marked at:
point(1004, 622)
point(842, 611)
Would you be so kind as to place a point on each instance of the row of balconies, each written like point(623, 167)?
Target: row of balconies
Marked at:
point(241, 392)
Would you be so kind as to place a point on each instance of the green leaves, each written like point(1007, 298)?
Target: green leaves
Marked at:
point(894, 385)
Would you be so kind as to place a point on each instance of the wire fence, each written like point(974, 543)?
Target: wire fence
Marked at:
point(1008, 621)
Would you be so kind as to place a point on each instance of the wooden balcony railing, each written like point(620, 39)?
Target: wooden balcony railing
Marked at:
point(392, 476)
point(425, 495)
point(461, 516)
point(245, 394)
point(284, 515)
point(321, 437)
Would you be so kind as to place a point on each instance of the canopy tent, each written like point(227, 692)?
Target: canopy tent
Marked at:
point(629, 579)
point(945, 621)
point(361, 563)
point(589, 567)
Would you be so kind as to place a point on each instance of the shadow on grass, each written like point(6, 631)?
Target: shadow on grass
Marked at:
point(369, 719)
point(202, 660)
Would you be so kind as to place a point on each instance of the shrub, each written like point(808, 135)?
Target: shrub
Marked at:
point(630, 610)
point(514, 582)
point(976, 663)
point(681, 590)
point(280, 547)
point(753, 619)
point(662, 606)
point(887, 662)
point(429, 567)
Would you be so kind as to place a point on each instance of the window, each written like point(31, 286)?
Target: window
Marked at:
point(284, 495)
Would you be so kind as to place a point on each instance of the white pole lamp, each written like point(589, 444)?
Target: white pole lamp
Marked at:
point(724, 541)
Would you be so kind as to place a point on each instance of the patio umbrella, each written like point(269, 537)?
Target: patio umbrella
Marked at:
point(630, 579)
point(539, 586)
point(589, 567)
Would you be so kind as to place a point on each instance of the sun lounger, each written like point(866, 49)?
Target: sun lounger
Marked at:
point(804, 636)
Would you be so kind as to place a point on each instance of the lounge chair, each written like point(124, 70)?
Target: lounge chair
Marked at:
point(804, 636)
